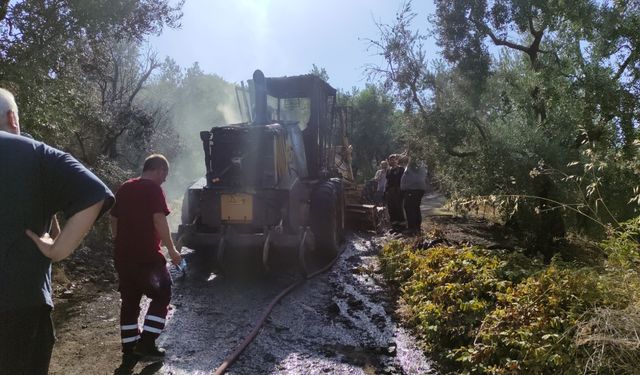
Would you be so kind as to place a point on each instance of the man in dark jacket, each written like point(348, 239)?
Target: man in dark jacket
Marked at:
point(413, 186)
point(393, 195)
point(37, 182)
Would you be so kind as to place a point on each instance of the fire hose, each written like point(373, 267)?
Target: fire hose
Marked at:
point(231, 358)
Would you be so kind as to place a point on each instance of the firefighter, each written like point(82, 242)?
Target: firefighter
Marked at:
point(37, 181)
point(139, 225)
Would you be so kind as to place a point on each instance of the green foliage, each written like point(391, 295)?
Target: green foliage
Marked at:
point(449, 291)
point(494, 312)
point(531, 328)
point(623, 246)
point(60, 58)
point(374, 128)
point(320, 72)
point(527, 86)
point(77, 70)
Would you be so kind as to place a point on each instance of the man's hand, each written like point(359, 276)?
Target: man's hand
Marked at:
point(71, 235)
point(162, 228)
point(44, 243)
point(176, 258)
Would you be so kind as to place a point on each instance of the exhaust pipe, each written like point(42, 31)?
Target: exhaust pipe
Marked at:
point(260, 86)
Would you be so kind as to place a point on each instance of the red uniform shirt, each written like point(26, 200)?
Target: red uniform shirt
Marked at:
point(137, 240)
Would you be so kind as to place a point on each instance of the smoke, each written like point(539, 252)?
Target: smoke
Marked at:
point(196, 102)
point(231, 113)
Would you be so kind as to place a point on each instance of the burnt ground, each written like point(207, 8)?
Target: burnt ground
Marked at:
point(341, 322)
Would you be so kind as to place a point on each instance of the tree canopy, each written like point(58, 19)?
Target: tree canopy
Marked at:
point(74, 63)
point(374, 128)
point(532, 99)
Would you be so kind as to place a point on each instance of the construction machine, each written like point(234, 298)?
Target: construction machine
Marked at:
point(275, 183)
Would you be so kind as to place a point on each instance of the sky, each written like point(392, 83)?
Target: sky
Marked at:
point(232, 38)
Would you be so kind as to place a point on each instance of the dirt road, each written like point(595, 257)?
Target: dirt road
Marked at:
point(338, 323)
point(341, 322)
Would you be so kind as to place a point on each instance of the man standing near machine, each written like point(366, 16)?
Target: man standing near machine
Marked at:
point(139, 225)
point(393, 194)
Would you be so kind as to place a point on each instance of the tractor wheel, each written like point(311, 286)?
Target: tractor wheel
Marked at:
point(324, 220)
point(340, 215)
point(340, 208)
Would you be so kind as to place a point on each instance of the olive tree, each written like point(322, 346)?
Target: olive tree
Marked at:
point(51, 53)
point(532, 99)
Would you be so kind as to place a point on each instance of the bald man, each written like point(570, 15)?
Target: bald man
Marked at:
point(37, 182)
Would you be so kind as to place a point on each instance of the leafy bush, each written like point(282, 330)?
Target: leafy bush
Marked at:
point(623, 246)
point(494, 312)
point(531, 328)
point(447, 291)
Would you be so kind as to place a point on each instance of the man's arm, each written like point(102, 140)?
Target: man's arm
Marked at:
point(378, 175)
point(162, 227)
point(71, 235)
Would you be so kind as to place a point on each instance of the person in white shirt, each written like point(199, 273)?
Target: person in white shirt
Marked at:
point(381, 178)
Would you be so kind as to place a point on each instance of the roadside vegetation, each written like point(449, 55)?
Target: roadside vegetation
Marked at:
point(530, 112)
point(531, 107)
point(481, 311)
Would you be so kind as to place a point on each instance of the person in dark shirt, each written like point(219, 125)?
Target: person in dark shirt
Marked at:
point(393, 195)
point(37, 182)
point(139, 225)
point(413, 186)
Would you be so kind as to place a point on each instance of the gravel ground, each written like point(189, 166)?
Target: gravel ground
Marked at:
point(339, 322)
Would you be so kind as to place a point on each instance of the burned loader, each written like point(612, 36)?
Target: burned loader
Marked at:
point(274, 183)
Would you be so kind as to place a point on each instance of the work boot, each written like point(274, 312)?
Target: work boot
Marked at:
point(148, 351)
point(397, 228)
point(129, 361)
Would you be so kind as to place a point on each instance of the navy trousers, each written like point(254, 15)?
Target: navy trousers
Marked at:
point(26, 341)
point(136, 280)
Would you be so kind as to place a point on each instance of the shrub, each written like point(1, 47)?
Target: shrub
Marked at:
point(531, 328)
point(99, 238)
point(446, 292)
point(608, 338)
point(623, 247)
point(495, 312)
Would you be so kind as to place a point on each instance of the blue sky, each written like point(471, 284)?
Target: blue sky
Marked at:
point(232, 38)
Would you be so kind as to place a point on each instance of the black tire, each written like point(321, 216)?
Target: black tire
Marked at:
point(340, 207)
point(324, 220)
